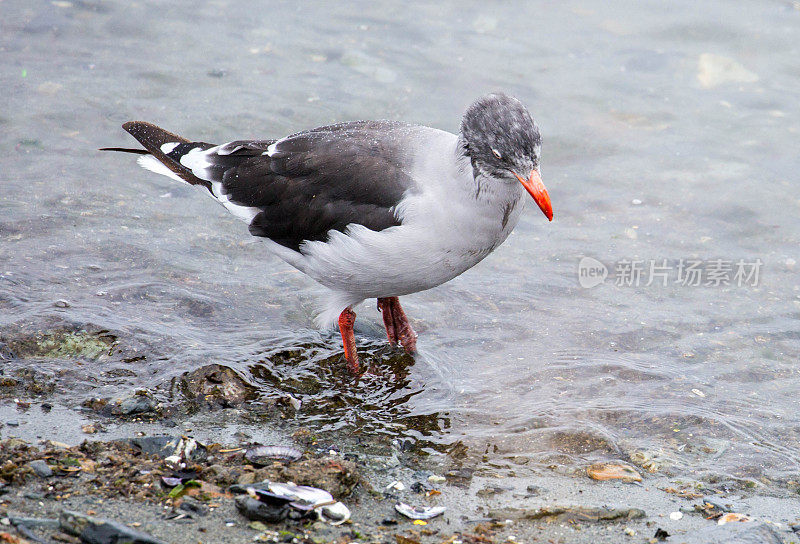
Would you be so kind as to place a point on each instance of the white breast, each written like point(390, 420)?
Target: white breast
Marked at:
point(446, 230)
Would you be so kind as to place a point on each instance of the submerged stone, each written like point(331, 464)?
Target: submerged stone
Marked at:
point(216, 384)
point(60, 344)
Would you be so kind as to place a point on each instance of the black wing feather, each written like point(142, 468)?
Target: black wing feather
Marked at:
point(317, 181)
point(311, 183)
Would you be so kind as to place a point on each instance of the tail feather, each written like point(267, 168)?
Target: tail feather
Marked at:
point(165, 147)
point(126, 150)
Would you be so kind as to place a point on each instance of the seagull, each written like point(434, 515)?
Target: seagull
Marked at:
point(370, 209)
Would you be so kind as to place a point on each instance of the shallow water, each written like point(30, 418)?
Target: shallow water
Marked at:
point(669, 133)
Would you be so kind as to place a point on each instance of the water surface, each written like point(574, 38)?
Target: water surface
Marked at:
point(670, 132)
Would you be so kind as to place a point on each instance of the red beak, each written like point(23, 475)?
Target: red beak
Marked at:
point(536, 189)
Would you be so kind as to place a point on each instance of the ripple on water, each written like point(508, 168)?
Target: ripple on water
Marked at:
point(378, 401)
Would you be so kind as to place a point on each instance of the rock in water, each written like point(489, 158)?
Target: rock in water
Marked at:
point(216, 384)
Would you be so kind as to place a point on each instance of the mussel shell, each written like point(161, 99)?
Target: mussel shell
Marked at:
point(270, 498)
point(419, 512)
point(301, 494)
point(335, 514)
point(239, 489)
point(265, 455)
point(171, 482)
point(282, 500)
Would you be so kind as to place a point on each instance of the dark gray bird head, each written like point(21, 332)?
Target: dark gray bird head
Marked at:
point(502, 141)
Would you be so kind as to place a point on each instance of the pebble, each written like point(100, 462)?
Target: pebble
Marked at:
point(636, 202)
point(258, 526)
point(192, 505)
point(491, 490)
point(12, 423)
point(61, 303)
point(137, 404)
point(613, 471)
point(534, 490)
point(41, 468)
point(419, 487)
point(434, 479)
point(660, 535)
point(732, 517)
point(396, 486)
point(675, 516)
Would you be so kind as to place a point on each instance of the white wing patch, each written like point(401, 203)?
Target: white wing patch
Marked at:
point(151, 163)
point(245, 213)
point(196, 161)
point(228, 148)
point(167, 148)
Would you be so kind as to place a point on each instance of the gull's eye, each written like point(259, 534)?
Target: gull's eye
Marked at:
point(496, 153)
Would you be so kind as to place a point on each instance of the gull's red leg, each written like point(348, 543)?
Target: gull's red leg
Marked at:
point(406, 334)
point(398, 328)
point(385, 306)
point(346, 321)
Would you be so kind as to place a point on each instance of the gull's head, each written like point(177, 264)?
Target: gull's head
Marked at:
point(503, 141)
